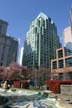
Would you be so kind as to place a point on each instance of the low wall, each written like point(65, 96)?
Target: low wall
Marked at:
point(66, 89)
point(17, 84)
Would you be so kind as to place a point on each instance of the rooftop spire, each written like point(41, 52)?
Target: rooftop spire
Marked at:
point(42, 15)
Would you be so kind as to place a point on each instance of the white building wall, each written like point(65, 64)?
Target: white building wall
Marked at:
point(21, 56)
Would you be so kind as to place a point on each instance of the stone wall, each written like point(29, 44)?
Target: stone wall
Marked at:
point(66, 89)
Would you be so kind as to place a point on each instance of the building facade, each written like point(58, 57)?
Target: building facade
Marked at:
point(68, 38)
point(71, 18)
point(3, 26)
point(8, 47)
point(8, 50)
point(21, 55)
point(61, 67)
point(68, 34)
point(41, 42)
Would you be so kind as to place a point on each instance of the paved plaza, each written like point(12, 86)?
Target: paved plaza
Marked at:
point(22, 98)
point(65, 100)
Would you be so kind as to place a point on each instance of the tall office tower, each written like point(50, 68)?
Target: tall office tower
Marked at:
point(3, 26)
point(68, 34)
point(8, 46)
point(68, 38)
point(41, 43)
point(71, 19)
point(8, 50)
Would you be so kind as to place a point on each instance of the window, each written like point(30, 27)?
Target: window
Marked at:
point(68, 52)
point(35, 29)
point(38, 23)
point(61, 76)
point(70, 76)
point(61, 64)
point(54, 65)
point(60, 53)
point(68, 62)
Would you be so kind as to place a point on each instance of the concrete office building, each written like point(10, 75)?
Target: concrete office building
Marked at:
point(61, 67)
point(41, 43)
point(8, 48)
point(3, 26)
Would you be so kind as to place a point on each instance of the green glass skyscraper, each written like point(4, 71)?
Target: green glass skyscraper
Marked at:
point(41, 43)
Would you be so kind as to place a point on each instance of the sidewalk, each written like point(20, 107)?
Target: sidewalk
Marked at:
point(64, 100)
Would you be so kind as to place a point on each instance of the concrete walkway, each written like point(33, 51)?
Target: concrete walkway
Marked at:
point(64, 100)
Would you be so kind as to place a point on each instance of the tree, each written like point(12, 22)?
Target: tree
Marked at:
point(13, 72)
point(1, 72)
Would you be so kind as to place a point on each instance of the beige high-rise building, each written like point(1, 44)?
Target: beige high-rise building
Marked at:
point(67, 37)
point(71, 19)
point(68, 34)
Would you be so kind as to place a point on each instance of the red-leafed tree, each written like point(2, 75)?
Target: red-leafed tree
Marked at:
point(13, 72)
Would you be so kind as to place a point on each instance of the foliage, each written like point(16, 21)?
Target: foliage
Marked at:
point(13, 72)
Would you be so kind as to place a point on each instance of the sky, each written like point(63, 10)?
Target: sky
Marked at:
point(20, 13)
